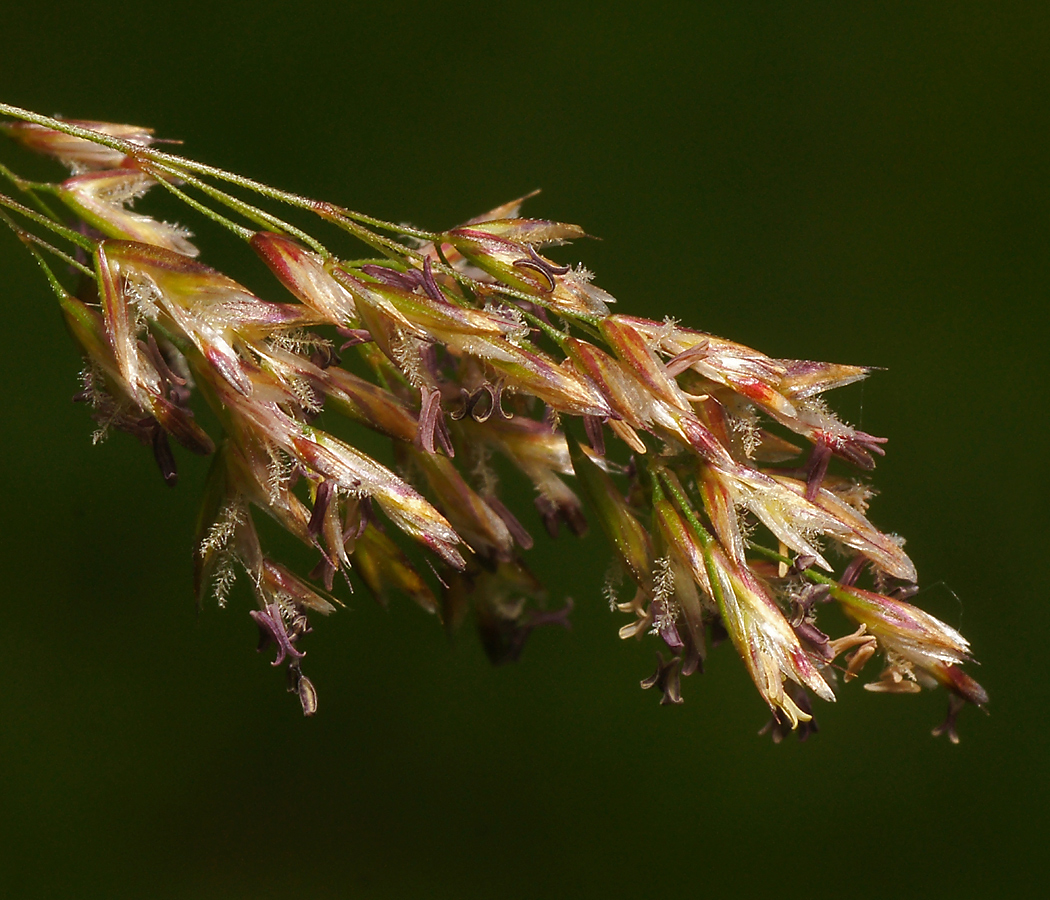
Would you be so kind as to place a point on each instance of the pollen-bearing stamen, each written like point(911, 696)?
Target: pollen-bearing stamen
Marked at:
point(272, 629)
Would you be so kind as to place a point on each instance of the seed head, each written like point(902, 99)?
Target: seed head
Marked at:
point(459, 346)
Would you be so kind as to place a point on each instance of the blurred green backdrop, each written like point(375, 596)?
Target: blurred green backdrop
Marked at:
point(817, 180)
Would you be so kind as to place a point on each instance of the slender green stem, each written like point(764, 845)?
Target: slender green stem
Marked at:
point(31, 241)
point(75, 237)
point(29, 188)
point(250, 212)
point(239, 230)
point(61, 254)
point(441, 256)
point(406, 230)
point(548, 330)
point(138, 152)
point(686, 507)
point(588, 325)
point(471, 298)
point(349, 220)
point(60, 292)
point(811, 574)
point(658, 492)
point(385, 245)
point(382, 261)
point(706, 540)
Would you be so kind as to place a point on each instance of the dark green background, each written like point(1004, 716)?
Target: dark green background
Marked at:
point(822, 181)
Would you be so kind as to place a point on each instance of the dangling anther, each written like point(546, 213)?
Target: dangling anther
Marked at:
point(541, 266)
point(164, 457)
point(323, 497)
point(853, 570)
point(432, 428)
point(676, 365)
point(817, 468)
point(593, 426)
point(430, 285)
point(355, 336)
point(480, 412)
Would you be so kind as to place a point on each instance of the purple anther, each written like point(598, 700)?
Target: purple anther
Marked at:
point(443, 436)
point(429, 409)
point(153, 353)
point(166, 370)
point(516, 529)
point(180, 396)
point(666, 678)
point(321, 501)
point(497, 401)
point(430, 285)
point(595, 435)
point(802, 562)
point(464, 396)
point(817, 468)
point(164, 457)
point(816, 638)
point(537, 618)
point(686, 359)
point(693, 657)
point(572, 513)
point(324, 572)
point(810, 595)
point(476, 409)
point(540, 270)
point(548, 514)
point(271, 628)
point(955, 705)
point(718, 633)
point(665, 626)
point(853, 570)
point(432, 429)
point(546, 264)
point(355, 336)
point(553, 514)
point(407, 281)
point(479, 411)
point(857, 447)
